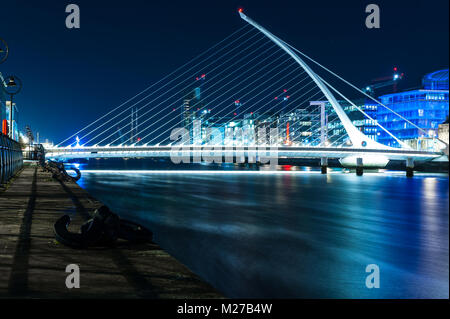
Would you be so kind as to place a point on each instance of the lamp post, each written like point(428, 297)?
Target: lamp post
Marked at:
point(12, 87)
point(4, 50)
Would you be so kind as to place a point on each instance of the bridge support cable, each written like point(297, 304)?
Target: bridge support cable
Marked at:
point(167, 100)
point(282, 109)
point(214, 107)
point(277, 137)
point(362, 92)
point(312, 129)
point(366, 115)
point(306, 115)
point(268, 95)
point(355, 106)
point(176, 93)
point(159, 81)
point(231, 81)
point(356, 136)
point(300, 128)
point(184, 81)
point(317, 127)
point(337, 140)
point(243, 96)
point(258, 117)
point(213, 93)
point(271, 94)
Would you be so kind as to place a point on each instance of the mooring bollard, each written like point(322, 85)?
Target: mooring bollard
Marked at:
point(359, 166)
point(323, 165)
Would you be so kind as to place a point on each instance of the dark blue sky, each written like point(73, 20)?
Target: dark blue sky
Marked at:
point(71, 77)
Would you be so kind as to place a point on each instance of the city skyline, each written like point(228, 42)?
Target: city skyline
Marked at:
point(234, 152)
point(82, 92)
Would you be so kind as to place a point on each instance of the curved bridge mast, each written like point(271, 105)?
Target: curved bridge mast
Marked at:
point(358, 139)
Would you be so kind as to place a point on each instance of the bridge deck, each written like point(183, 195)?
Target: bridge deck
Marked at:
point(32, 263)
point(236, 151)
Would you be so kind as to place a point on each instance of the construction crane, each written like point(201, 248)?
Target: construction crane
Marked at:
point(285, 98)
point(384, 81)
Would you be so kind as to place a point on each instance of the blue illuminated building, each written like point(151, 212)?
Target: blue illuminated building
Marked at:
point(427, 108)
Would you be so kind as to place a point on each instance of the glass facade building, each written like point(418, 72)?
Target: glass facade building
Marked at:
point(426, 108)
point(336, 133)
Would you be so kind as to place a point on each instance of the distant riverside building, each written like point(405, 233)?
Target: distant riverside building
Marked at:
point(427, 108)
point(297, 127)
point(318, 124)
point(335, 133)
point(5, 109)
point(443, 133)
point(212, 129)
point(193, 106)
point(263, 123)
point(248, 129)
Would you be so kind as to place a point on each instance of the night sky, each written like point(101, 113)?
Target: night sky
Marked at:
point(73, 76)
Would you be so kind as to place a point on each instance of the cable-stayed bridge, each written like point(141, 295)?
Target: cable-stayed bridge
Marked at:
point(250, 93)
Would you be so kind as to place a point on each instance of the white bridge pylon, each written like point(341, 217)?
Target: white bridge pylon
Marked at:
point(357, 138)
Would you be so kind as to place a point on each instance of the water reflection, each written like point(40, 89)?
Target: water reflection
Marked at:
point(294, 234)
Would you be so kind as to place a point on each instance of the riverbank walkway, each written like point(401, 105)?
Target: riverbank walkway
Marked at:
point(33, 264)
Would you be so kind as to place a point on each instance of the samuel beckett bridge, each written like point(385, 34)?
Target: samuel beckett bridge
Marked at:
point(251, 91)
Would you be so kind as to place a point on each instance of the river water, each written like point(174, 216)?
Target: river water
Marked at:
point(293, 233)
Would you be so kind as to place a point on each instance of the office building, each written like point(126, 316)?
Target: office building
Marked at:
point(426, 108)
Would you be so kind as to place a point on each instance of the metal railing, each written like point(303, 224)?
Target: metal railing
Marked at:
point(34, 152)
point(11, 158)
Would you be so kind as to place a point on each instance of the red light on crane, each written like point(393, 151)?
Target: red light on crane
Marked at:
point(240, 10)
point(203, 75)
point(284, 90)
point(395, 69)
point(288, 139)
point(276, 97)
point(235, 113)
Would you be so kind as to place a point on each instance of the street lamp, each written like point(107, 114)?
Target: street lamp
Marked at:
point(4, 50)
point(12, 86)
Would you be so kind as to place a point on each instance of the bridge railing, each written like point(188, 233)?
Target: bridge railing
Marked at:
point(11, 158)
